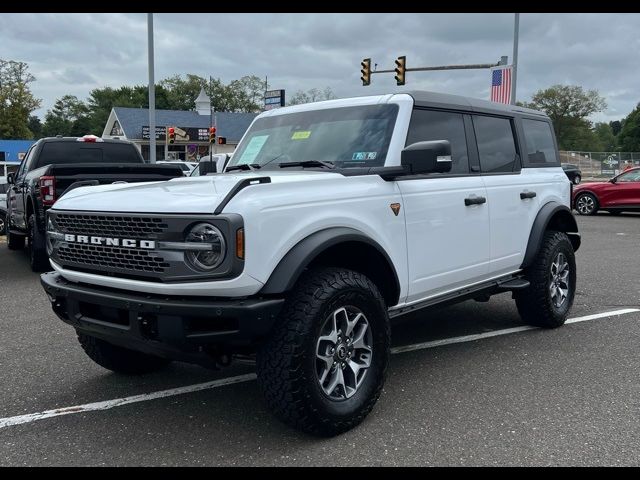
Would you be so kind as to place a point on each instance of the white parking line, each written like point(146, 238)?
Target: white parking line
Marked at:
point(108, 404)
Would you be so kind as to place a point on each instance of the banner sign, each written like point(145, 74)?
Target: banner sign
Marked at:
point(273, 99)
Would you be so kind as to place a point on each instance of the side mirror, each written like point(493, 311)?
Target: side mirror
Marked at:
point(613, 180)
point(10, 179)
point(427, 157)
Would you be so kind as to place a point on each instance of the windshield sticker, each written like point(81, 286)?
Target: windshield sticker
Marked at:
point(364, 156)
point(253, 149)
point(302, 135)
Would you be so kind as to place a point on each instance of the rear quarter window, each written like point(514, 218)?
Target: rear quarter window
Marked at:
point(53, 153)
point(541, 149)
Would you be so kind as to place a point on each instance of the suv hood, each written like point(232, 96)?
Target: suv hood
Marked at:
point(179, 195)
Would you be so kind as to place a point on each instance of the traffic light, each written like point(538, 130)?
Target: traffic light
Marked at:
point(366, 72)
point(212, 135)
point(401, 68)
point(222, 140)
point(171, 134)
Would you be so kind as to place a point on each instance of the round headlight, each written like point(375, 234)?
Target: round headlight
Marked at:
point(207, 235)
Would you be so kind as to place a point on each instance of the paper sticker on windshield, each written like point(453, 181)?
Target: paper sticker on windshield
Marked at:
point(253, 149)
point(301, 135)
point(364, 156)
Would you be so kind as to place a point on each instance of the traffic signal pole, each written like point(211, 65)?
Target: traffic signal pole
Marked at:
point(152, 93)
point(401, 62)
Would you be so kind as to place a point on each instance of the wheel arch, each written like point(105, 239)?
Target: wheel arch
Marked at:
point(552, 216)
point(338, 247)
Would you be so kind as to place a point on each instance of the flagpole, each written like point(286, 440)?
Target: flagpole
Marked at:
point(516, 33)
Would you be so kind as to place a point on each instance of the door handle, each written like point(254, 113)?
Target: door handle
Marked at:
point(474, 201)
point(525, 195)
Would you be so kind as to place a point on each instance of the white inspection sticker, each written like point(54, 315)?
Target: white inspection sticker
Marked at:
point(253, 149)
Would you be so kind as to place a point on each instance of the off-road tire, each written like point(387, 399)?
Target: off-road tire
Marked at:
point(38, 258)
point(535, 304)
point(119, 359)
point(286, 362)
point(14, 242)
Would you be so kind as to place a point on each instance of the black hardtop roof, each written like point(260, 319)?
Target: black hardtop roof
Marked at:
point(444, 100)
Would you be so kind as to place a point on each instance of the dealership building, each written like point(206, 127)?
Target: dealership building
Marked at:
point(191, 130)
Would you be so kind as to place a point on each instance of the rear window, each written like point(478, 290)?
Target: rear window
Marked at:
point(541, 150)
point(85, 152)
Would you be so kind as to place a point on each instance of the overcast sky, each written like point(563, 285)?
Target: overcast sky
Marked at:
point(74, 53)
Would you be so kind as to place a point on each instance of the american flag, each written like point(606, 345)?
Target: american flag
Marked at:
point(501, 84)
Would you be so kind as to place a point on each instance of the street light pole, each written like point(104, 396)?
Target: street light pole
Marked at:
point(516, 33)
point(152, 93)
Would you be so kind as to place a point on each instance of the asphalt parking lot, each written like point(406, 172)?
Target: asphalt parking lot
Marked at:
point(569, 396)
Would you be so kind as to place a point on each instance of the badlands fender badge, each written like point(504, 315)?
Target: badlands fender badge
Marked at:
point(395, 207)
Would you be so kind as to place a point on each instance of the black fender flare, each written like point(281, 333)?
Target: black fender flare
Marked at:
point(560, 214)
point(288, 271)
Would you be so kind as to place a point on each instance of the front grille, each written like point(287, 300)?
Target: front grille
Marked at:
point(112, 257)
point(146, 228)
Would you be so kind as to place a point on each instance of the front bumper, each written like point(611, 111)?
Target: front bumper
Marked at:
point(182, 328)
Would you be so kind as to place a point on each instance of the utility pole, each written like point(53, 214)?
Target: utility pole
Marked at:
point(152, 92)
point(210, 113)
point(516, 33)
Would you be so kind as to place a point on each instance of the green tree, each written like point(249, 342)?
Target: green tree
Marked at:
point(16, 100)
point(68, 117)
point(568, 106)
point(629, 136)
point(616, 126)
point(606, 138)
point(311, 95)
point(35, 126)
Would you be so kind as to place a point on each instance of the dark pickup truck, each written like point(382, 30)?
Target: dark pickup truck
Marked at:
point(55, 165)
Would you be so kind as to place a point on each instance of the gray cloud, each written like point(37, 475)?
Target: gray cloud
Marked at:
point(74, 53)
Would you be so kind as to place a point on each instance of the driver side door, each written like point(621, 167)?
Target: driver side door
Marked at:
point(627, 188)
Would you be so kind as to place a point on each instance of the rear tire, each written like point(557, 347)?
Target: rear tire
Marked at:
point(586, 204)
point(119, 359)
point(38, 258)
point(312, 369)
point(552, 276)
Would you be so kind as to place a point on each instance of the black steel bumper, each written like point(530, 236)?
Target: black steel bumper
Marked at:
point(183, 328)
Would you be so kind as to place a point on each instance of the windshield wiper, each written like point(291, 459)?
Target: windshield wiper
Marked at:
point(307, 163)
point(243, 166)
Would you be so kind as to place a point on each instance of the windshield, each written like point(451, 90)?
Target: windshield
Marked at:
point(346, 137)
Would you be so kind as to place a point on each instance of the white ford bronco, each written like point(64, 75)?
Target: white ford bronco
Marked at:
point(331, 220)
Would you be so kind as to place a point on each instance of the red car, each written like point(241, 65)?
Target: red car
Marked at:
point(620, 194)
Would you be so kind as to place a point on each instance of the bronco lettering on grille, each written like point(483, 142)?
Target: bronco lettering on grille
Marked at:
point(110, 241)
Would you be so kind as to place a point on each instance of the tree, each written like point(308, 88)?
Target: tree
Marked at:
point(606, 138)
point(35, 127)
point(568, 106)
point(68, 118)
point(616, 126)
point(629, 136)
point(311, 95)
point(16, 100)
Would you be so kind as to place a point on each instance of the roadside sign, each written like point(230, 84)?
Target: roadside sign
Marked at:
point(273, 99)
point(610, 165)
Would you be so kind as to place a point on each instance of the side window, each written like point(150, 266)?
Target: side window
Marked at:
point(429, 125)
point(26, 160)
point(632, 176)
point(539, 139)
point(496, 145)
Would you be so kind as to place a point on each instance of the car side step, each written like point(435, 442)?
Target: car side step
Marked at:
point(514, 284)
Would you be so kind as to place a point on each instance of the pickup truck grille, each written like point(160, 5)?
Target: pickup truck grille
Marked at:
point(93, 256)
point(146, 228)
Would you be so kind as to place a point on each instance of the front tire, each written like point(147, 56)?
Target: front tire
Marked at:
point(552, 277)
point(119, 359)
point(586, 204)
point(322, 368)
point(14, 242)
point(38, 258)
